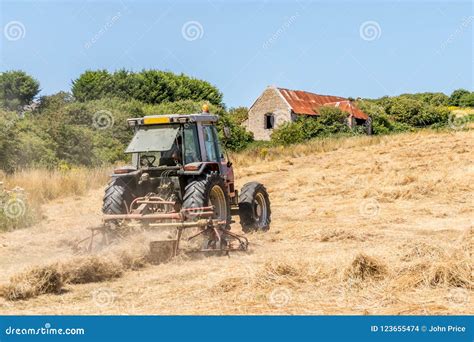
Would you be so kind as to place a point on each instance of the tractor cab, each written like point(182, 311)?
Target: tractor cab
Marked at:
point(184, 142)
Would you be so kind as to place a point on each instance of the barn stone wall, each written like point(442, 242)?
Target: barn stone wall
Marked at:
point(270, 101)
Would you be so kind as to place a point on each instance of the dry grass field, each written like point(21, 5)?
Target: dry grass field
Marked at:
point(368, 225)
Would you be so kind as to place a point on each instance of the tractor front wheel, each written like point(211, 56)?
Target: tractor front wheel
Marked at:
point(254, 207)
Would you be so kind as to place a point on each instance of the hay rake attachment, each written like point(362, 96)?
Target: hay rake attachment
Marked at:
point(153, 213)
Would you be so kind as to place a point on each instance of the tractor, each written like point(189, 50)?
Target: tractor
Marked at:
point(180, 178)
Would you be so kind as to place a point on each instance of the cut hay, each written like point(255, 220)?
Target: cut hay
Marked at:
point(90, 270)
point(229, 285)
point(79, 270)
point(365, 267)
point(453, 270)
point(467, 241)
point(133, 255)
point(421, 249)
point(282, 273)
point(338, 235)
point(132, 261)
point(32, 283)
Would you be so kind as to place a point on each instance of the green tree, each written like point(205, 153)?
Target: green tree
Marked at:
point(240, 114)
point(9, 141)
point(467, 100)
point(148, 86)
point(181, 107)
point(55, 101)
point(92, 85)
point(17, 89)
point(439, 99)
point(456, 96)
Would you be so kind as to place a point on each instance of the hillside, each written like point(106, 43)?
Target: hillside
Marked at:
point(365, 225)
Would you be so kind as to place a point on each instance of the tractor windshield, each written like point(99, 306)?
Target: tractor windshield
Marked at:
point(158, 138)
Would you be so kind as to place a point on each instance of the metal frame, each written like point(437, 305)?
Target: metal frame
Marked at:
point(156, 213)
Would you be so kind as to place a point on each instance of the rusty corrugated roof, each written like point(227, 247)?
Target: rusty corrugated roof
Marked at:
point(349, 107)
point(303, 102)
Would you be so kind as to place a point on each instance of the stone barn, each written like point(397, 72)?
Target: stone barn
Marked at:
point(276, 106)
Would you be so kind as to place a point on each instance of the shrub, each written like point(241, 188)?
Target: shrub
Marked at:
point(415, 113)
point(330, 120)
point(239, 137)
point(434, 99)
point(467, 100)
point(454, 99)
point(439, 99)
point(288, 133)
point(333, 119)
point(381, 122)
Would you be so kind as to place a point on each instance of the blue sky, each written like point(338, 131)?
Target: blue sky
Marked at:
point(357, 49)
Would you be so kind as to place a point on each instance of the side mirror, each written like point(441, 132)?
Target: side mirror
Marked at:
point(226, 132)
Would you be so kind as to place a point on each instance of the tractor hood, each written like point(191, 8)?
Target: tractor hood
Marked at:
point(157, 138)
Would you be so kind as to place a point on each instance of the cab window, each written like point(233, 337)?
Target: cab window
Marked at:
point(210, 140)
point(218, 145)
point(192, 152)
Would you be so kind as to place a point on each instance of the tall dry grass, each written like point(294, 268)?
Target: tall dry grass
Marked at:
point(22, 208)
point(42, 185)
point(264, 153)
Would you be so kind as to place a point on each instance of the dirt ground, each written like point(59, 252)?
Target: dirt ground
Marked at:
point(404, 202)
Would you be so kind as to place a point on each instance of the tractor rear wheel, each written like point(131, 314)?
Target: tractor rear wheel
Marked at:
point(209, 190)
point(254, 207)
point(117, 198)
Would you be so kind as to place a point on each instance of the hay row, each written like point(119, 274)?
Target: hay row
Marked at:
point(452, 270)
point(449, 270)
point(39, 280)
